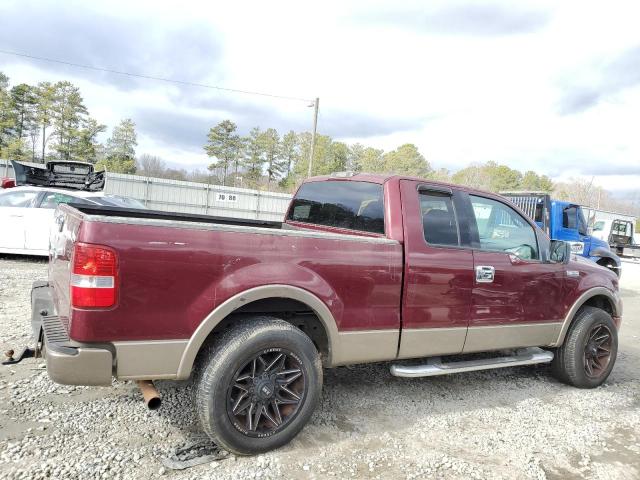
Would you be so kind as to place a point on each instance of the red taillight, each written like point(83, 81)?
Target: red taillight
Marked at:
point(94, 276)
point(8, 183)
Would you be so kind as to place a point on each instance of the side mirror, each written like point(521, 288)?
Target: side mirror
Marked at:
point(559, 252)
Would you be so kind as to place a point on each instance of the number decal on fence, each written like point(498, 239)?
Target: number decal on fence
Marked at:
point(227, 197)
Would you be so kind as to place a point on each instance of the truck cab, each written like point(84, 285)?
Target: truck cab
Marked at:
point(565, 221)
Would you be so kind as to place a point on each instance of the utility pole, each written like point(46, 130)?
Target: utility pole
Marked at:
point(313, 135)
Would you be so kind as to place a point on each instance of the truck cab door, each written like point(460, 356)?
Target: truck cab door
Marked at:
point(583, 232)
point(517, 299)
point(573, 228)
point(438, 266)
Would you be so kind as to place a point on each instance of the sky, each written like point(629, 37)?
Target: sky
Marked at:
point(547, 86)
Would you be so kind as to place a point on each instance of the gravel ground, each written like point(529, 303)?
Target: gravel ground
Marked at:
point(512, 423)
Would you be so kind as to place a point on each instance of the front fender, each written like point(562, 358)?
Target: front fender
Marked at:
point(597, 254)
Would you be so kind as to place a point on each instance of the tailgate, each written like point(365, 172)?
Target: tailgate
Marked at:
point(62, 238)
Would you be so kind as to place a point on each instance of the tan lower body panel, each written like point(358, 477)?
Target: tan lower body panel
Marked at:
point(149, 360)
point(364, 346)
point(89, 366)
point(426, 342)
point(482, 339)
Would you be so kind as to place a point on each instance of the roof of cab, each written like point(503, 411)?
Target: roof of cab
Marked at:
point(385, 177)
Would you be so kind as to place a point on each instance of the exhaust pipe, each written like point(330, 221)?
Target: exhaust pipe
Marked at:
point(150, 394)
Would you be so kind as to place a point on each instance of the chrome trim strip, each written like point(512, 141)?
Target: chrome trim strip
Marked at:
point(154, 222)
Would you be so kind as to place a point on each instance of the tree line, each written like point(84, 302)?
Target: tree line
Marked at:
point(50, 121)
point(266, 158)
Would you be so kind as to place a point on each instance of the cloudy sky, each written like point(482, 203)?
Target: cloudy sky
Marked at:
point(535, 85)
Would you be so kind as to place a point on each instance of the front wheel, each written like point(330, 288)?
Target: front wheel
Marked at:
point(259, 385)
point(589, 352)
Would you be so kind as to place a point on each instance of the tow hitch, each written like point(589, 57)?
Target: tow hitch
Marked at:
point(26, 352)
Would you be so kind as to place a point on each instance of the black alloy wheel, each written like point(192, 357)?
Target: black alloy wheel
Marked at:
point(266, 393)
point(597, 351)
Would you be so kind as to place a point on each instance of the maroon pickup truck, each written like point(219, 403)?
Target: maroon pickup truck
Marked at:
point(365, 268)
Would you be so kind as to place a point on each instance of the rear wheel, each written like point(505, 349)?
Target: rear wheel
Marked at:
point(260, 382)
point(589, 352)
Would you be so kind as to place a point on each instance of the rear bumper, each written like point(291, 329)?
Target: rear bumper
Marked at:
point(68, 363)
point(78, 366)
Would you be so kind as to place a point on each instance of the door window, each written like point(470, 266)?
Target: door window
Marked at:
point(570, 217)
point(53, 199)
point(502, 229)
point(17, 199)
point(439, 219)
point(582, 223)
point(619, 227)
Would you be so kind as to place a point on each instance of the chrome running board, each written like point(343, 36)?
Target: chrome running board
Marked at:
point(433, 367)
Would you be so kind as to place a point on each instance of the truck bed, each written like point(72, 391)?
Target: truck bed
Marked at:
point(176, 268)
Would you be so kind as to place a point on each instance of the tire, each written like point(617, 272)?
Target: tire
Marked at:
point(223, 393)
point(582, 360)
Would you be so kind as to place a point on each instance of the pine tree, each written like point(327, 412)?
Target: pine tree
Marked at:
point(121, 149)
point(69, 114)
point(223, 145)
point(254, 155)
point(45, 94)
point(289, 151)
point(23, 103)
point(86, 148)
point(7, 117)
point(271, 147)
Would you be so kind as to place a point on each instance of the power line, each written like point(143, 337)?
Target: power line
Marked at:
point(151, 77)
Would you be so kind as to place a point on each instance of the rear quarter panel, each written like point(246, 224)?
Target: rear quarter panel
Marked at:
point(171, 278)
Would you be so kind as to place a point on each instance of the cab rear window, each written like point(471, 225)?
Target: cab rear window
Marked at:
point(342, 204)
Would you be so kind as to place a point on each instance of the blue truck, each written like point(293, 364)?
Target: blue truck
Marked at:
point(565, 221)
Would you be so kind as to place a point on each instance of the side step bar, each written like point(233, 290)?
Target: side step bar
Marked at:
point(433, 367)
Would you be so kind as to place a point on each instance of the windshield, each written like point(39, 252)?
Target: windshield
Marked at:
point(117, 201)
point(598, 226)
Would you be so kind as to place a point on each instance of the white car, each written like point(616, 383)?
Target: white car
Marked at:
point(26, 214)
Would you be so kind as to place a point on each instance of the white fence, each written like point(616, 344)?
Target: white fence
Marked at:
point(191, 197)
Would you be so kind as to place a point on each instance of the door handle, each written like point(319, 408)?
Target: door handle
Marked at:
point(59, 222)
point(485, 274)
